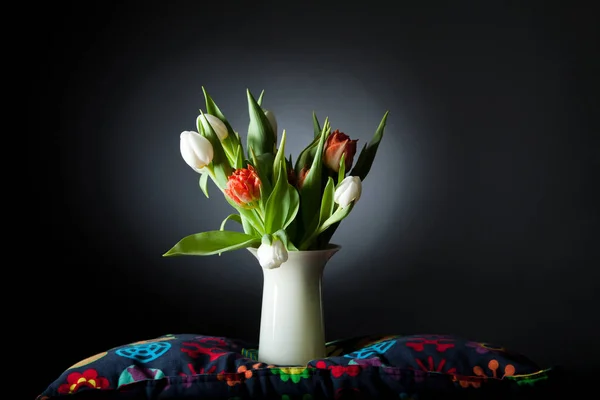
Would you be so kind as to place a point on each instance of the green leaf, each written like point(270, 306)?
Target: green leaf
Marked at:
point(327, 203)
point(221, 166)
point(367, 155)
point(316, 125)
point(233, 217)
point(310, 192)
point(279, 157)
point(204, 184)
point(248, 227)
point(342, 170)
point(282, 235)
point(260, 98)
point(307, 155)
point(278, 204)
point(249, 215)
point(335, 218)
point(212, 242)
point(263, 165)
point(261, 137)
point(211, 108)
point(294, 205)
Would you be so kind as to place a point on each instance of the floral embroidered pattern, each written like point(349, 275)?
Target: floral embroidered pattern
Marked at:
point(144, 352)
point(86, 379)
point(441, 343)
point(295, 374)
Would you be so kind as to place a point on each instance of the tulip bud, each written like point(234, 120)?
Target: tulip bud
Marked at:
point(196, 150)
point(339, 143)
point(217, 125)
point(272, 121)
point(272, 255)
point(348, 190)
point(303, 172)
point(243, 187)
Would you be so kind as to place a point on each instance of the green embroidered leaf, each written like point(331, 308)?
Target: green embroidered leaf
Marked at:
point(233, 217)
point(212, 242)
point(367, 155)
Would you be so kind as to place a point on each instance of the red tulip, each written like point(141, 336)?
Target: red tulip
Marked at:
point(302, 177)
point(243, 187)
point(339, 143)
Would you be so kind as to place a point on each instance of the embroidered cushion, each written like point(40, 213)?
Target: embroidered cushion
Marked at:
point(188, 366)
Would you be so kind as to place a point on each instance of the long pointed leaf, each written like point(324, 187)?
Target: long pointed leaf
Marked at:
point(316, 125)
point(310, 192)
point(367, 155)
point(212, 242)
point(261, 137)
point(204, 184)
point(232, 217)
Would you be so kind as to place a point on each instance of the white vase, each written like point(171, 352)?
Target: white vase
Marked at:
point(292, 330)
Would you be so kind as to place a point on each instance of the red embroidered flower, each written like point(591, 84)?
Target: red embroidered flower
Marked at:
point(243, 187)
point(339, 143)
point(89, 378)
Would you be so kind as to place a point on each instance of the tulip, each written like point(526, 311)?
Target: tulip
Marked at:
point(196, 150)
point(243, 187)
point(303, 172)
point(273, 122)
point(348, 190)
point(339, 143)
point(272, 255)
point(217, 125)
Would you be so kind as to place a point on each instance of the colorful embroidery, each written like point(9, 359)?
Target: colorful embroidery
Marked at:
point(483, 348)
point(441, 343)
point(199, 348)
point(295, 374)
point(135, 373)
point(88, 360)
point(370, 351)
point(210, 366)
point(431, 367)
point(493, 365)
point(160, 339)
point(144, 352)
point(231, 379)
point(86, 379)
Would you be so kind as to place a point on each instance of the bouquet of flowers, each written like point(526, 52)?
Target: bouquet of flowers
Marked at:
point(280, 204)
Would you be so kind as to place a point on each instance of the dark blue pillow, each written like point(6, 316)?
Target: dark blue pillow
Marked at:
point(188, 366)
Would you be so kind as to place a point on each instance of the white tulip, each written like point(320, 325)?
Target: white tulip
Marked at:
point(217, 125)
point(272, 255)
point(273, 121)
point(348, 190)
point(196, 150)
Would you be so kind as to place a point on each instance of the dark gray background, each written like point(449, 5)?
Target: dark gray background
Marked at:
point(478, 219)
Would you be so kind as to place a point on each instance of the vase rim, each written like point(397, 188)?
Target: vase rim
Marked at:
point(330, 247)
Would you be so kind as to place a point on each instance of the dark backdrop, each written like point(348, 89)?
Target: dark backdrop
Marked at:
point(478, 219)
